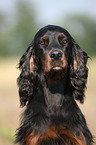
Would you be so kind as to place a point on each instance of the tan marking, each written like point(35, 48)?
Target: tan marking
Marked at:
point(61, 35)
point(45, 37)
point(54, 131)
point(31, 64)
point(46, 61)
point(71, 137)
point(32, 139)
point(75, 64)
point(76, 60)
point(30, 60)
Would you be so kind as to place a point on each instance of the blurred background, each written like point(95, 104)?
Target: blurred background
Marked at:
point(19, 21)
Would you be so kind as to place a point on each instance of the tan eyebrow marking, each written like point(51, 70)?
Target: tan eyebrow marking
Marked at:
point(61, 35)
point(45, 37)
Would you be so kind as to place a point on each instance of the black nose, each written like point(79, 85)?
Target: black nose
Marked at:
point(56, 54)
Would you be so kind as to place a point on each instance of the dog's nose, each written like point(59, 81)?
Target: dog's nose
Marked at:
point(56, 54)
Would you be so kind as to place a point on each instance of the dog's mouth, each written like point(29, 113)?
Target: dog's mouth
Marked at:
point(57, 65)
point(54, 69)
point(57, 68)
point(56, 73)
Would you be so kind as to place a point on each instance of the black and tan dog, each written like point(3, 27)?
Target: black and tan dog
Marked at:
point(53, 75)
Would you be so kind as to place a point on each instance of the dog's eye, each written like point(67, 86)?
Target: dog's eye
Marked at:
point(64, 41)
point(42, 42)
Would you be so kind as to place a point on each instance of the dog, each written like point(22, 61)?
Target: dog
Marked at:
point(53, 76)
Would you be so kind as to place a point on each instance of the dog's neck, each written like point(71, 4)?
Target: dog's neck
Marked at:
point(55, 92)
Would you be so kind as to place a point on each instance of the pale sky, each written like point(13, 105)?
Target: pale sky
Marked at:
point(48, 11)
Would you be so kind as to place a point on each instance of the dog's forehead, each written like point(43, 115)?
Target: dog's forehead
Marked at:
point(51, 30)
point(50, 33)
point(53, 34)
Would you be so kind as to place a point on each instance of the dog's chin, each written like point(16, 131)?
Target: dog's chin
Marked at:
point(57, 68)
point(55, 74)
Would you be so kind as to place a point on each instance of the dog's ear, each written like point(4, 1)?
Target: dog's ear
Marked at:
point(78, 72)
point(26, 78)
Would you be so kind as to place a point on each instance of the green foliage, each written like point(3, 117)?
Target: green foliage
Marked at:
point(15, 39)
point(83, 29)
point(26, 27)
point(7, 133)
point(18, 31)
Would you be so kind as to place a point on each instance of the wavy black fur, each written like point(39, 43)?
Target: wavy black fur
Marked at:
point(53, 104)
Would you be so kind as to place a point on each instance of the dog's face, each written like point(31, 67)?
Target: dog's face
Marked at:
point(53, 54)
point(53, 48)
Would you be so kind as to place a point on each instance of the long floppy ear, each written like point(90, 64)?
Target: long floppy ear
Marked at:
point(26, 78)
point(78, 72)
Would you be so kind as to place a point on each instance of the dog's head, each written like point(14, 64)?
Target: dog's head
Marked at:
point(53, 49)
point(54, 53)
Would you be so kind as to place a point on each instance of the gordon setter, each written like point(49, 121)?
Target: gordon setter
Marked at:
point(53, 76)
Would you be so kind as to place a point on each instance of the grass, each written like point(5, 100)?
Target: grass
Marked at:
point(7, 133)
point(9, 99)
